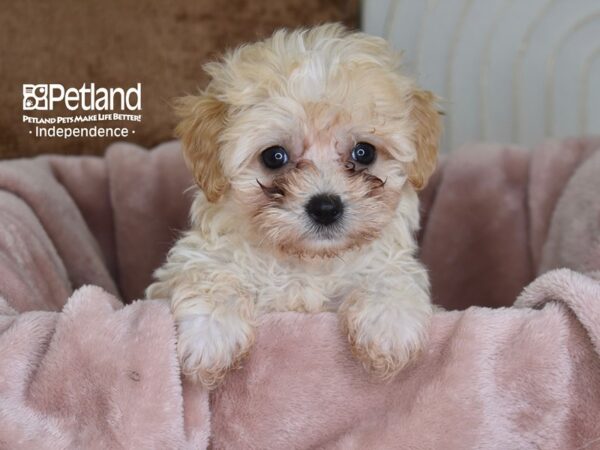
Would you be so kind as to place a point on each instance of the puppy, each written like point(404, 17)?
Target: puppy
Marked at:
point(309, 148)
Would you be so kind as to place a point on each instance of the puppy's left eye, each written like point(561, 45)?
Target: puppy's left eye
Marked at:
point(274, 157)
point(363, 153)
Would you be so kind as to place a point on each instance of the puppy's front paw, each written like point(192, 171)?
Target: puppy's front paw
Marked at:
point(208, 348)
point(385, 335)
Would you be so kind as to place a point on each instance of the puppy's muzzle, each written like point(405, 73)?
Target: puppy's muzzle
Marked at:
point(325, 209)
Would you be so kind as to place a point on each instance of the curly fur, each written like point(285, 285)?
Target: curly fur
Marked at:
point(252, 248)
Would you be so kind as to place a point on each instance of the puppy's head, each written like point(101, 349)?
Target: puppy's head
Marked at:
point(310, 138)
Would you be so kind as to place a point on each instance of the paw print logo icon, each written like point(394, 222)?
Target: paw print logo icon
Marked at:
point(35, 97)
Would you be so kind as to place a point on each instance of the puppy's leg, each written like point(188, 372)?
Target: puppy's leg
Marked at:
point(387, 323)
point(215, 322)
point(215, 330)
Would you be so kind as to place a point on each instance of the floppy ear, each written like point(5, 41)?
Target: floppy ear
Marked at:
point(428, 127)
point(202, 120)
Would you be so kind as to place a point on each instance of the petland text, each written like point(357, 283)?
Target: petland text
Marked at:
point(44, 97)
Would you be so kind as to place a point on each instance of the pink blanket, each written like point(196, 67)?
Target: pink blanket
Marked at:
point(79, 236)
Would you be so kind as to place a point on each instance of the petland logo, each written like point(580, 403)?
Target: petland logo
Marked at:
point(97, 104)
point(43, 97)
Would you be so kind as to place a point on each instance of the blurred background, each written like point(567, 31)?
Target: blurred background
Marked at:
point(511, 71)
point(507, 70)
point(161, 44)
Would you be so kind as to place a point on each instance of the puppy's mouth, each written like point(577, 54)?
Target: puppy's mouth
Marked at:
point(324, 223)
point(324, 212)
point(325, 233)
point(326, 229)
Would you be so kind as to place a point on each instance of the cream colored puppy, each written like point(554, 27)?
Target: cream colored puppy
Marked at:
point(309, 148)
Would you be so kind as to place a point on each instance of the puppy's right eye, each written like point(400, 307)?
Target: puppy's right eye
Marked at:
point(274, 157)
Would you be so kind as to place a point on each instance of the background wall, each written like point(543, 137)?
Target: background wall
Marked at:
point(508, 70)
point(115, 43)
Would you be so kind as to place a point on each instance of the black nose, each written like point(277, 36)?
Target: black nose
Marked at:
point(325, 208)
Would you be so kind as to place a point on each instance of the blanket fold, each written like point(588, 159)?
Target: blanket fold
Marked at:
point(509, 378)
point(95, 375)
point(85, 365)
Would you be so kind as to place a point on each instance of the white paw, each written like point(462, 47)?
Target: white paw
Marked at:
point(385, 335)
point(208, 347)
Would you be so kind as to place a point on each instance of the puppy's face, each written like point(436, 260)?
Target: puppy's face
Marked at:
point(310, 138)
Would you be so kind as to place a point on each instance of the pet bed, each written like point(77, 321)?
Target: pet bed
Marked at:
point(83, 365)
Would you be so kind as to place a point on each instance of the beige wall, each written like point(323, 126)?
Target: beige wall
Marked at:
point(509, 70)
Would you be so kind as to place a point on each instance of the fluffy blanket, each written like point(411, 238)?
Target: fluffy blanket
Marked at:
point(83, 365)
